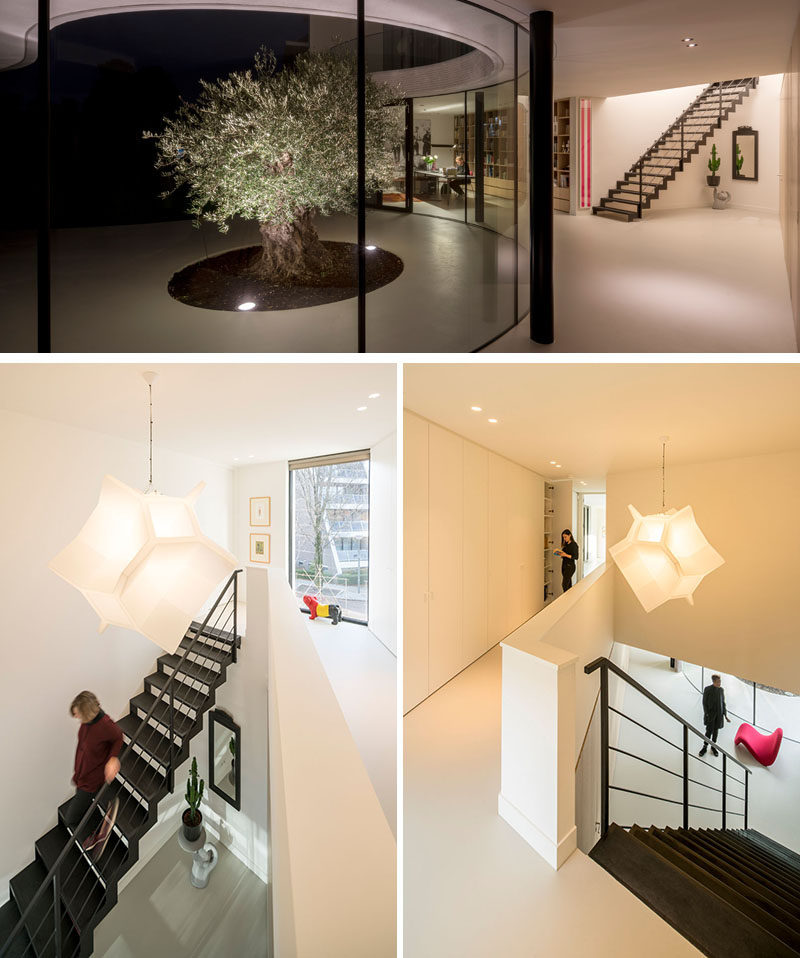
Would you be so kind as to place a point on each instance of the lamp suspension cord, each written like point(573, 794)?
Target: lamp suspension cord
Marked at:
point(150, 483)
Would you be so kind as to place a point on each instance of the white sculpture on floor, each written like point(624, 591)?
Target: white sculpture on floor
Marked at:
point(721, 199)
point(204, 861)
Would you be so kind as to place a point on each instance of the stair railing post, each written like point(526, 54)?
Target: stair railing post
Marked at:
point(641, 171)
point(235, 602)
point(604, 751)
point(57, 911)
point(746, 797)
point(724, 788)
point(171, 773)
point(682, 153)
point(685, 776)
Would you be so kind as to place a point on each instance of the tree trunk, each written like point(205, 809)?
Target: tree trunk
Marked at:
point(291, 252)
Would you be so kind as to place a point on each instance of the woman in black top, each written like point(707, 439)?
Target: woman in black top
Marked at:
point(569, 556)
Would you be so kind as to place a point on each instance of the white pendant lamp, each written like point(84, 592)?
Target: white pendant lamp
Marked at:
point(664, 556)
point(141, 560)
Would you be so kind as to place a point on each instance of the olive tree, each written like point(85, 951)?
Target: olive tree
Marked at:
point(279, 147)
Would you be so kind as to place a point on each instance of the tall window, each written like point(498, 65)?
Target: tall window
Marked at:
point(329, 541)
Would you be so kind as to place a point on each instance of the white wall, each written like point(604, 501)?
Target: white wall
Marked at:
point(745, 615)
point(263, 479)
point(790, 172)
point(334, 857)
point(383, 542)
point(473, 556)
point(50, 645)
point(624, 127)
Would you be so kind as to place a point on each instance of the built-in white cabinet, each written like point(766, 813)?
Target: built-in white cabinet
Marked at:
point(473, 564)
point(445, 549)
point(415, 560)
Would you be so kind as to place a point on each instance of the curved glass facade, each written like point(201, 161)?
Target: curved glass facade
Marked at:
point(450, 203)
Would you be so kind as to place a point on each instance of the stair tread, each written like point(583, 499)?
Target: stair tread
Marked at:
point(150, 740)
point(205, 651)
point(184, 725)
point(756, 850)
point(132, 818)
point(81, 890)
point(150, 783)
point(748, 863)
point(195, 698)
point(219, 635)
point(9, 916)
point(39, 923)
point(704, 919)
point(193, 669)
point(789, 856)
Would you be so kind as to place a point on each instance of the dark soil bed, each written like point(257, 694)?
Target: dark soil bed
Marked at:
point(225, 281)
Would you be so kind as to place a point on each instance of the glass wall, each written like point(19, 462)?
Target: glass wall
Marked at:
point(20, 160)
point(160, 241)
point(330, 532)
point(762, 706)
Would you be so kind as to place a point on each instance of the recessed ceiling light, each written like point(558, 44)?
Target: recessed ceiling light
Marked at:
point(691, 44)
point(476, 408)
point(361, 409)
point(688, 39)
point(235, 458)
point(492, 420)
point(558, 465)
point(552, 462)
point(244, 307)
point(582, 482)
point(370, 248)
point(373, 396)
point(251, 457)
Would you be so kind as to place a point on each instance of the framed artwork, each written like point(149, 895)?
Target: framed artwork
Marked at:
point(260, 510)
point(259, 547)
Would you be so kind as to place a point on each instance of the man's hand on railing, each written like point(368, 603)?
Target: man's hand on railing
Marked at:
point(112, 767)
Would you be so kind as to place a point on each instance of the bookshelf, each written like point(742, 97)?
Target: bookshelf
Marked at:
point(562, 156)
point(499, 160)
point(549, 558)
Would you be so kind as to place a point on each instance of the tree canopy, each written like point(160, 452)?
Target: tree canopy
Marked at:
point(279, 146)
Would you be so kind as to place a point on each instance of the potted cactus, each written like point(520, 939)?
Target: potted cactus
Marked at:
point(739, 159)
point(713, 165)
point(193, 817)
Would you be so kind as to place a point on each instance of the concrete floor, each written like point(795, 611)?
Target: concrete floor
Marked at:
point(695, 280)
point(774, 792)
point(109, 291)
point(160, 914)
point(473, 887)
point(363, 674)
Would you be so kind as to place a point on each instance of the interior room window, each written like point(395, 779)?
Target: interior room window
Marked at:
point(329, 540)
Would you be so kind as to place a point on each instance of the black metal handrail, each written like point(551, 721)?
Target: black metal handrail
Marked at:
point(605, 666)
point(54, 879)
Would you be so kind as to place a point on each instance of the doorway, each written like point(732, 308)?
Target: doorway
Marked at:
point(591, 531)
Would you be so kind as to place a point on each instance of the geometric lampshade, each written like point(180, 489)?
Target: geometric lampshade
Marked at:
point(664, 556)
point(142, 562)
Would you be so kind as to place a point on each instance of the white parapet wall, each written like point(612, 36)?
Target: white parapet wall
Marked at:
point(546, 710)
point(333, 854)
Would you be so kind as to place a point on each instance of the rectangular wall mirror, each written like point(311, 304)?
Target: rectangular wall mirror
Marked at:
point(745, 153)
point(224, 749)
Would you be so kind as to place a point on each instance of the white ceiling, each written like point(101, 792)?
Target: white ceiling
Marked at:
point(253, 413)
point(596, 419)
point(610, 47)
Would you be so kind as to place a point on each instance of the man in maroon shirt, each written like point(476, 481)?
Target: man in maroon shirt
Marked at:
point(96, 762)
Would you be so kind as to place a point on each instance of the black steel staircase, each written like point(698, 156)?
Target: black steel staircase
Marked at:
point(652, 173)
point(731, 892)
point(63, 894)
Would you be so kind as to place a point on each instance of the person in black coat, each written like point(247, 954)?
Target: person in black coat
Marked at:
point(715, 712)
point(569, 556)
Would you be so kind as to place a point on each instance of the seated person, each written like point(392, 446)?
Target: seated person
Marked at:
point(460, 178)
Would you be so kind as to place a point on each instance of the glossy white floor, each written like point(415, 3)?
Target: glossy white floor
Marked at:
point(363, 674)
point(774, 792)
point(694, 280)
point(109, 291)
point(160, 914)
point(473, 887)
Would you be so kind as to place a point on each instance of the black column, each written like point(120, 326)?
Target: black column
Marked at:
point(541, 173)
point(361, 126)
point(43, 212)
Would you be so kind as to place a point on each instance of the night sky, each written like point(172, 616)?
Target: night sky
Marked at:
point(113, 77)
